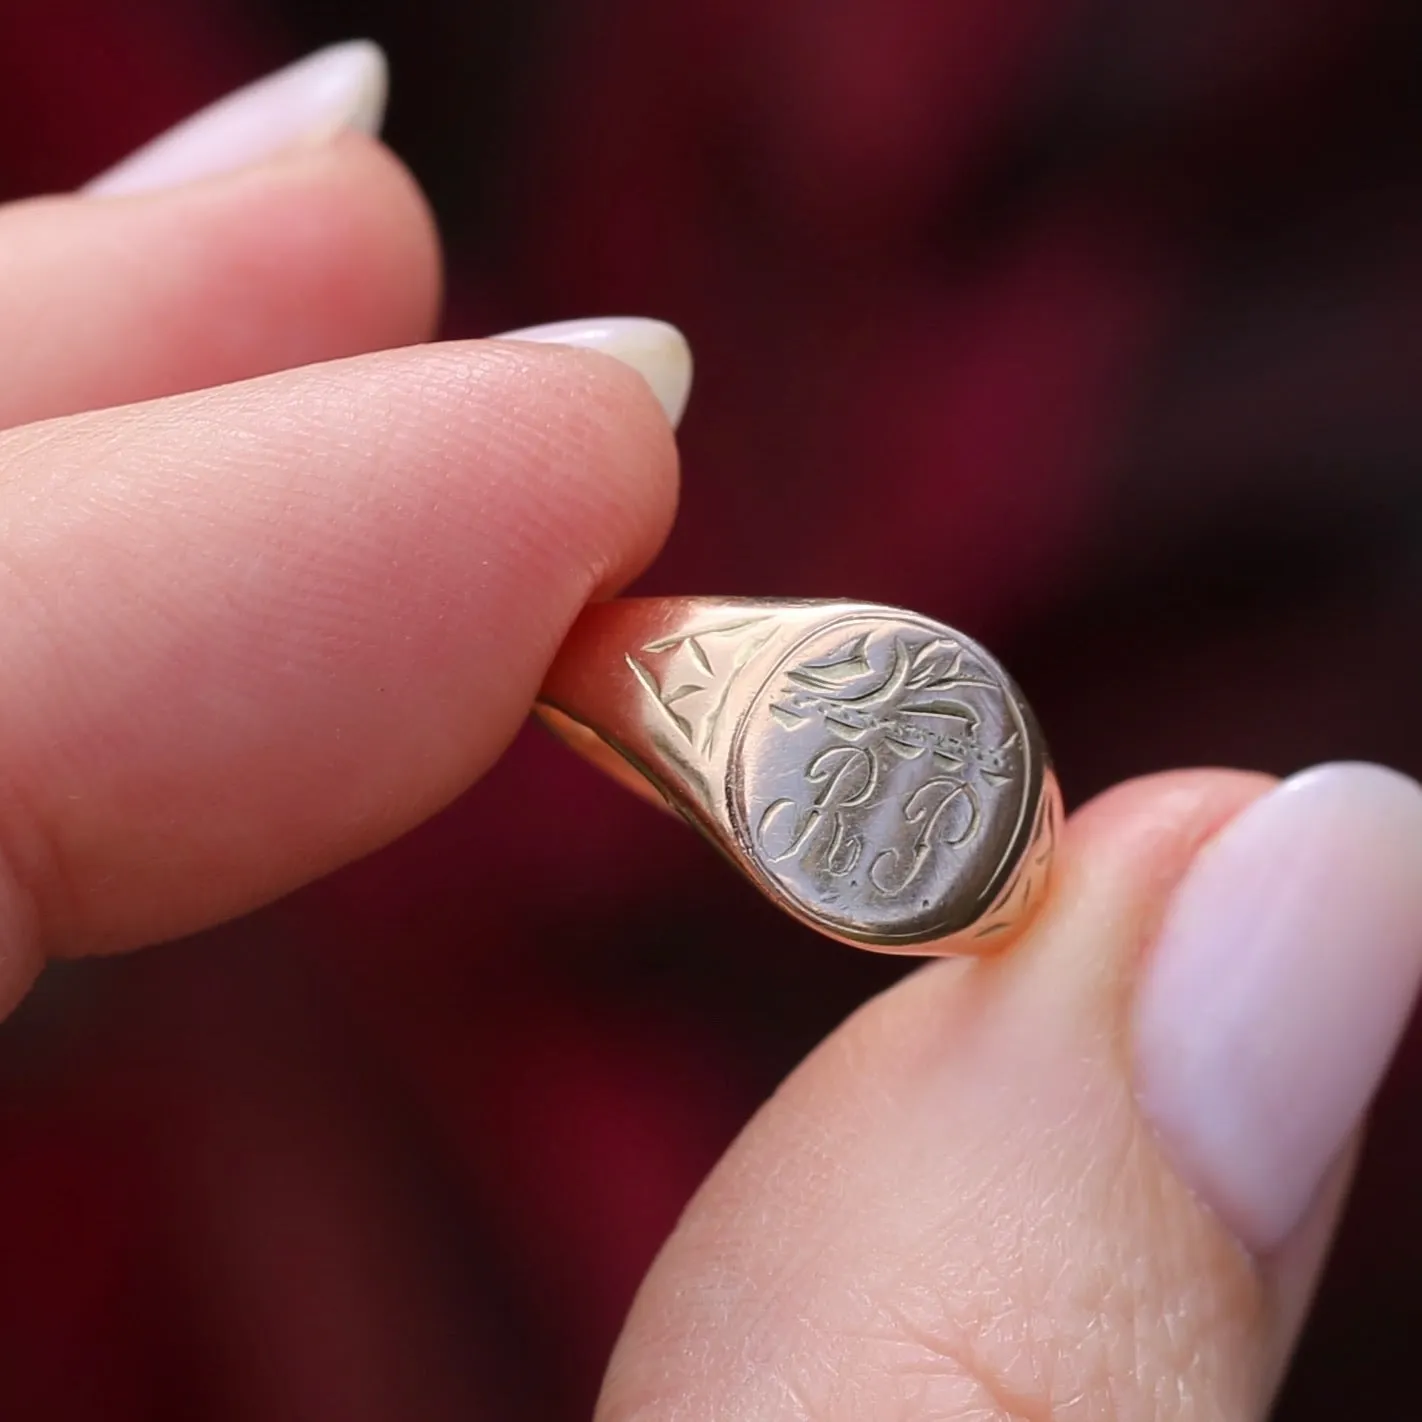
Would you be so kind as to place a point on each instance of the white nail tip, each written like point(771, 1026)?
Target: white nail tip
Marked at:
point(1283, 977)
point(342, 87)
point(370, 89)
point(656, 350)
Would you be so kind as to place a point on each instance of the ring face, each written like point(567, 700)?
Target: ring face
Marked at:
point(881, 777)
point(875, 772)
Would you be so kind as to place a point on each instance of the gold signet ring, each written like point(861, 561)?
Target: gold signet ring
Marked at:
point(876, 773)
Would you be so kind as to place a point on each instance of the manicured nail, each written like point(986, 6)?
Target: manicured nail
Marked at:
point(342, 87)
point(1275, 996)
point(656, 351)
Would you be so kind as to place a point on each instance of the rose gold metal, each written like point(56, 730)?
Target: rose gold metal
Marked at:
point(876, 773)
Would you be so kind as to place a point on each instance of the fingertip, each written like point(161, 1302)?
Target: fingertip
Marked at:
point(1120, 857)
point(403, 273)
point(1179, 807)
point(332, 250)
point(307, 102)
point(656, 350)
point(627, 489)
point(1277, 989)
point(964, 1185)
point(327, 251)
point(964, 1163)
point(426, 522)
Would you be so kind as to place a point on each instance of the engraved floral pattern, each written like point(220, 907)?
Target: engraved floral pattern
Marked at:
point(699, 677)
point(915, 707)
point(888, 779)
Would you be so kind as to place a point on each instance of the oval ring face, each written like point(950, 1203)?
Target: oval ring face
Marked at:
point(882, 778)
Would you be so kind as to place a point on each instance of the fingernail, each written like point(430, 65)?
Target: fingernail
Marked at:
point(658, 352)
point(1281, 982)
point(342, 87)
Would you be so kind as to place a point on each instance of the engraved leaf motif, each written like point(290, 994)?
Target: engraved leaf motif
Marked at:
point(933, 660)
point(852, 651)
point(957, 683)
point(649, 682)
point(707, 714)
point(850, 690)
point(842, 666)
point(893, 683)
point(939, 666)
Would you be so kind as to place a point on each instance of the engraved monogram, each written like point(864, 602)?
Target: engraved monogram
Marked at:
point(882, 774)
point(914, 708)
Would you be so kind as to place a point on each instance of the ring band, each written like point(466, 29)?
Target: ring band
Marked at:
point(876, 773)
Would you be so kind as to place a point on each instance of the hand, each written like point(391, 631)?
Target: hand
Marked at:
point(254, 631)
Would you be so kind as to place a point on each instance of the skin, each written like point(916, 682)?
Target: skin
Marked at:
point(182, 740)
point(849, 1259)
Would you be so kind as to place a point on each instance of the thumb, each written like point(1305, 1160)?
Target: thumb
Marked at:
point(1093, 1178)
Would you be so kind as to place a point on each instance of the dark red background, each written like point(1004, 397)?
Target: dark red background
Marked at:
point(1092, 327)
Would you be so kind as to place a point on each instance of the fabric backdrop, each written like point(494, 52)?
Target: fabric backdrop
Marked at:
point(1090, 326)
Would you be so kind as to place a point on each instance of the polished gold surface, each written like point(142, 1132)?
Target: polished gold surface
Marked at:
point(875, 772)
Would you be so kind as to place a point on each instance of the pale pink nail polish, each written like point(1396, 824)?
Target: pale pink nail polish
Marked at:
point(1282, 979)
point(658, 352)
point(342, 87)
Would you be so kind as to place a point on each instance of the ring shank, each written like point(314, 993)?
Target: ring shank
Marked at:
point(600, 752)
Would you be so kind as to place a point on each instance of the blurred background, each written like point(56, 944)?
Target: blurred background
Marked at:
point(1092, 326)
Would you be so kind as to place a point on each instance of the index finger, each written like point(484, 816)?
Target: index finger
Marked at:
point(255, 632)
